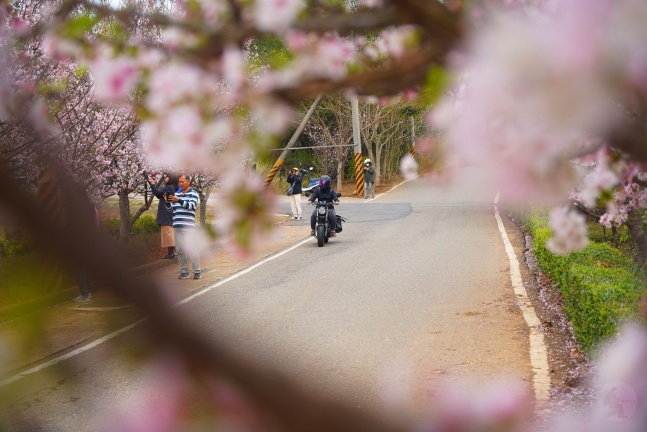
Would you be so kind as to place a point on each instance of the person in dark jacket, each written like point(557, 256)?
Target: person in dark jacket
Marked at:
point(369, 179)
point(324, 193)
point(165, 212)
point(295, 178)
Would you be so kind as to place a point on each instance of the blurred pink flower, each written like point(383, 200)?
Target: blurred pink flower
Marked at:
point(114, 78)
point(42, 120)
point(271, 116)
point(534, 88)
point(408, 167)
point(622, 369)
point(157, 404)
point(246, 210)
point(276, 15)
point(503, 406)
point(175, 83)
point(600, 179)
point(234, 67)
point(393, 41)
point(569, 231)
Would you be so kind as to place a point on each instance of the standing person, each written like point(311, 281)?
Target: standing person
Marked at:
point(369, 178)
point(184, 204)
point(295, 178)
point(85, 213)
point(165, 213)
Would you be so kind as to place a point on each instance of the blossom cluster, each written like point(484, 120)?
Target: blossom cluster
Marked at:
point(533, 90)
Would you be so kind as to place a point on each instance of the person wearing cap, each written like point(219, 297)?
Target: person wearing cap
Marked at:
point(369, 179)
point(295, 178)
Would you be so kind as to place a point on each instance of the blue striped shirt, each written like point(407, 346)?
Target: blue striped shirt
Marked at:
point(184, 209)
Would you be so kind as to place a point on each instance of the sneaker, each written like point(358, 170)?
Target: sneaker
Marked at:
point(295, 217)
point(169, 256)
point(82, 298)
point(197, 276)
point(183, 276)
point(299, 218)
point(333, 234)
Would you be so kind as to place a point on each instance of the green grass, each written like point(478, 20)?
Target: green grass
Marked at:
point(21, 279)
point(601, 285)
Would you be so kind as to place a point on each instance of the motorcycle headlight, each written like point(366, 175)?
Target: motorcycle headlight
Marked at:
point(322, 210)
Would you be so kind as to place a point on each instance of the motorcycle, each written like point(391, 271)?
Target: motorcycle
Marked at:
point(323, 230)
point(313, 184)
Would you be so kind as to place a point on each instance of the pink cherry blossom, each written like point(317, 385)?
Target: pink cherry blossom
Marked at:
point(176, 83)
point(276, 15)
point(114, 78)
point(569, 231)
point(234, 67)
point(246, 208)
point(332, 57)
point(392, 41)
point(615, 216)
point(408, 167)
point(621, 367)
point(272, 116)
point(598, 180)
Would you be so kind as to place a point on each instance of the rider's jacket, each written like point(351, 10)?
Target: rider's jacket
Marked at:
point(324, 195)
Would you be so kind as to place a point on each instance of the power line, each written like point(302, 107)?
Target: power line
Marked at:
point(323, 146)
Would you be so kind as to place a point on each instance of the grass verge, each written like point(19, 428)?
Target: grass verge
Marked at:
point(602, 286)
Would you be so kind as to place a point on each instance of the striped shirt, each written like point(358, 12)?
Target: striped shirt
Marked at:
point(184, 209)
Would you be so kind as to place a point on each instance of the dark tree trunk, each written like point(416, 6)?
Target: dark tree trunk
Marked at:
point(204, 197)
point(639, 237)
point(614, 232)
point(124, 216)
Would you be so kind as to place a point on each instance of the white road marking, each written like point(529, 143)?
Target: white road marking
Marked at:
point(70, 354)
point(390, 190)
point(106, 338)
point(538, 350)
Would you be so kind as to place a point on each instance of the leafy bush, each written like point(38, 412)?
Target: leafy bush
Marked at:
point(111, 226)
point(601, 286)
point(14, 247)
point(145, 224)
point(13, 242)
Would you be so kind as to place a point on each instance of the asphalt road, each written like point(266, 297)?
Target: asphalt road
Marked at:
point(411, 301)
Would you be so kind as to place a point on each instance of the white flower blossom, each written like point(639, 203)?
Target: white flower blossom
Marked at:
point(408, 167)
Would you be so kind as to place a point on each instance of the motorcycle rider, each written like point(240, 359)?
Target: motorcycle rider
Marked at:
point(324, 193)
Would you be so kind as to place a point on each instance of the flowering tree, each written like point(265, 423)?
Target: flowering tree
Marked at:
point(537, 87)
point(331, 126)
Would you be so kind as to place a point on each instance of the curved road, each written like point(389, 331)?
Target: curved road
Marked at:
point(414, 297)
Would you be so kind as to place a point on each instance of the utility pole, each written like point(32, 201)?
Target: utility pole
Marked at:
point(359, 172)
point(49, 199)
point(413, 138)
point(293, 140)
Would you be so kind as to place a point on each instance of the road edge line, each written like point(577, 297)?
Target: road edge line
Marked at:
point(109, 336)
point(538, 350)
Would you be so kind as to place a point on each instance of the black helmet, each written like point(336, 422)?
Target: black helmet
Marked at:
point(324, 182)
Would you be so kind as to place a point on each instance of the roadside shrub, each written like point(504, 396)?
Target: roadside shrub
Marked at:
point(602, 287)
point(13, 242)
point(15, 247)
point(145, 224)
point(111, 226)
